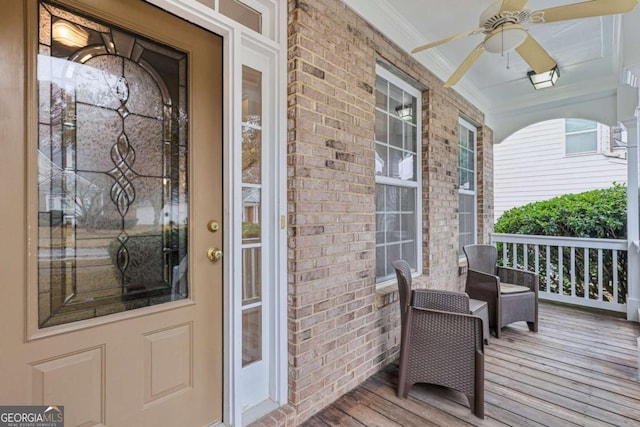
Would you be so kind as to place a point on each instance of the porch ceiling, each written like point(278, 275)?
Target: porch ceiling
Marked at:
point(593, 54)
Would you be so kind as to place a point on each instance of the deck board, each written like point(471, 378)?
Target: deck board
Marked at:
point(581, 368)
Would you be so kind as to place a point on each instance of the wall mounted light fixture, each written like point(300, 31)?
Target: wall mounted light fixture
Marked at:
point(405, 112)
point(544, 80)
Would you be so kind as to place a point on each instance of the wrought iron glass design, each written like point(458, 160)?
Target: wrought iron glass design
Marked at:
point(112, 169)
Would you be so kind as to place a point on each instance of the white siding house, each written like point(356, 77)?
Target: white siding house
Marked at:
point(555, 157)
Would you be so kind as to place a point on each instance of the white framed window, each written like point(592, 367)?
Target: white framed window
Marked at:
point(260, 236)
point(258, 239)
point(398, 174)
point(260, 16)
point(242, 13)
point(467, 197)
point(581, 136)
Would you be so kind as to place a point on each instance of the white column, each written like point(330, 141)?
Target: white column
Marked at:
point(628, 108)
point(633, 220)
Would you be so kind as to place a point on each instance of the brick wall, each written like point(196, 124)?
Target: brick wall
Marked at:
point(338, 336)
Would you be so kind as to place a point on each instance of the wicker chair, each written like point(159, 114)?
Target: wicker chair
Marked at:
point(441, 343)
point(511, 294)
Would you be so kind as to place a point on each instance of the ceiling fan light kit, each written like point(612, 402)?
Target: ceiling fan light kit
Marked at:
point(505, 39)
point(544, 80)
point(503, 21)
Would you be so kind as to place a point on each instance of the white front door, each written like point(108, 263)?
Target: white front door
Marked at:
point(112, 287)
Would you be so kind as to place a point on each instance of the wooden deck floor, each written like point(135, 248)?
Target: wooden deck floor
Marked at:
point(579, 369)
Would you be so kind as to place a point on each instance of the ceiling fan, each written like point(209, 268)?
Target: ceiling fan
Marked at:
point(502, 23)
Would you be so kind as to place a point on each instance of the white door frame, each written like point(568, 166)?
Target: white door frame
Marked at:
point(272, 43)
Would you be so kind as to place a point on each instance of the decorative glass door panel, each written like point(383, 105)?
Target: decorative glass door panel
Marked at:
point(252, 241)
point(112, 169)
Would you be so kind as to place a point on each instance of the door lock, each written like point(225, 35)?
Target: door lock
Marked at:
point(214, 254)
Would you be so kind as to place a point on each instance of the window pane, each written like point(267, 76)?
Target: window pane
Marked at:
point(576, 125)
point(251, 215)
point(407, 200)
point(393, 254)
point(463, 158)
point(392, 225)
point(251, 126)
point(396, 158)
point(251, 155)
point(408, 167)
point(466, 220)
point(381, 93)
point(401, 165)
point(582, 143)
point(408, 227)
point(251, 275)
point(392, 198)
point(381, 261)
point(112, 171)
point(395, 99)
point(397, 139)
point(467, 186)
point(381, 127)
point(470, 181)
point(409, 253)
point(410, 139)
point(241, 13)
point(395, 131)
point(251, 279)
point(251, 335)
point(381, 160)
point(380, 201)
point(414, 108)
point(251, 96)
point(396, 228)
point(471, 139)
point(462, 137)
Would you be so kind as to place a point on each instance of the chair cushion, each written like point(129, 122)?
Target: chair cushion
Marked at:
point(509, 288)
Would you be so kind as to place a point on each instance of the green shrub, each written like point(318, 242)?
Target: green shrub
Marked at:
point(595, 214)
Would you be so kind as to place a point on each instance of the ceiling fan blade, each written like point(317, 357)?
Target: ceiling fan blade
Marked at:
point(446, 40)
point(513, 5)
point(585, 9)
point(535, 55)
point(466, 64)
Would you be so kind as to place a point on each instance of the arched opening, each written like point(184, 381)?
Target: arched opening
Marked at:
point(555, 157)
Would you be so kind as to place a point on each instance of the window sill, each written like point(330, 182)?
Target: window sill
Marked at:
point(387, 292)
point(462, 266)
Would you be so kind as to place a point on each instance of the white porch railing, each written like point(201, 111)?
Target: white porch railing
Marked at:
point(581, 271)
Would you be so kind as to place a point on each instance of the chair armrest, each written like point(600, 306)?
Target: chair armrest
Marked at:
point(482, 286)
point(519, 277)
point(435, 299)
point(454, 330)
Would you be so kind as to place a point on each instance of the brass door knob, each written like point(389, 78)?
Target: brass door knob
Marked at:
point(214, 254)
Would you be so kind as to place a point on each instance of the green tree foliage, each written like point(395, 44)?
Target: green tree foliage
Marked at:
point(595, 214)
